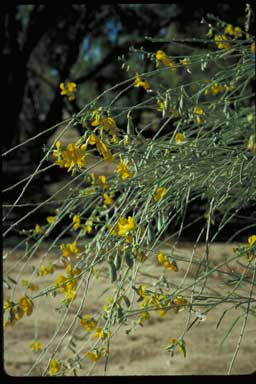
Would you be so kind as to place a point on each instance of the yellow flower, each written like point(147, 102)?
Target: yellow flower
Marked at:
point(70, 249)
point(123, 170)
point(198, 110)
point(170, 265)
point(160, 193)
point(171, 108)
point(54, 367)
point(38, 229)
point(26, 305)
point(102, 181)
point(101, 147)
point(216, 88)
point(179, 138)
point(88, 323)
point(138, 82)
point(108, 124)
point(142, 291)
point(76, 221)
point(51, 219)
point(71, 156)
point(253, 48)
point(165, 60)
point(8, 305)
point(237, 32)
point(93, 355)
point(221, 41)
point(58, 150)
point(101, 334)
point(107, 199)
point(252, 240)
point(126, 140)
point(88, 226)
point(36, 346)
point(66, 286)
point(68, 90)
point(229, 30)
point(125, 226)
point(46, 270)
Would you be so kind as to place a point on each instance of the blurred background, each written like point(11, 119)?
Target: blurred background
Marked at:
point(45, 45)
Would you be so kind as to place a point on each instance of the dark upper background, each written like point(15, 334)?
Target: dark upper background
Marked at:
point(44, 45)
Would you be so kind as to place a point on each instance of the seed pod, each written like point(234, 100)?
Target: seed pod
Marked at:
point(130, 126)
point(112, 271)
point(159, 222)
point(127, 301)
point(128, 259)
point(118, 261)
point(120, 314)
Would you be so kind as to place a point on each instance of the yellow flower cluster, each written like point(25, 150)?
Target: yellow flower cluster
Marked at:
point(199, 112)
point(93, 355)
point(88, 323)
point(233, 31)
point(221, 41)
point(108, 124)
point(107, 199)
point(123, 170)
point(86, 228)
point(36, 346)
point(216, 88)
point(171, 108)
point(179, 138)
point(44, 270)
point(138, 82)
point(101, 147)
point(70, 249)
point(101, 334)
point(251, 253)
point(124, 226)
point(54, 367)
point(70, 157)
point(252, 240)
point(76, 221)
point(17, 311)
point(100, 180)
point(159, 193)
point(159, 301)
point(161, 57)
point(68, 90)
point(68, 284)
point(170, 265)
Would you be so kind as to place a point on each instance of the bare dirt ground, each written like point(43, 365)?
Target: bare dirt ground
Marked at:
point(141, 352)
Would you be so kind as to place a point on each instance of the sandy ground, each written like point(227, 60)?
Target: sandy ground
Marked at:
point(142, 351)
